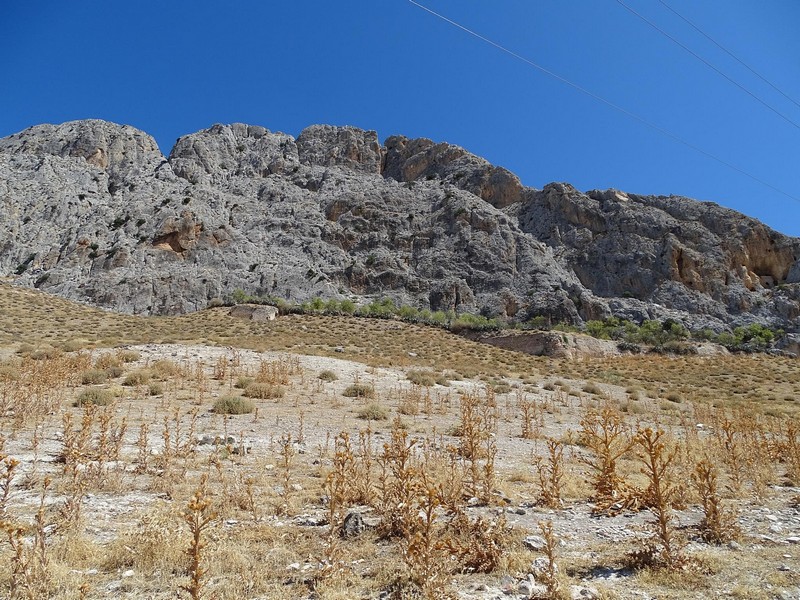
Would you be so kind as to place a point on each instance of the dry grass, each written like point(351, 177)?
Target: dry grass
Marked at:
point(154, 494)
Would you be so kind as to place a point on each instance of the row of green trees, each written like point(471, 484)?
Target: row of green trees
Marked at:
point(670, 334)
point(662, 336)
point(384, 308)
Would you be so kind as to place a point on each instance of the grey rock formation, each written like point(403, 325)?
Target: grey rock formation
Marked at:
point(254, 312)
point(94, 212)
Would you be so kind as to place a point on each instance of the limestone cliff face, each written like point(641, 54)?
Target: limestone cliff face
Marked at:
point(94, 212)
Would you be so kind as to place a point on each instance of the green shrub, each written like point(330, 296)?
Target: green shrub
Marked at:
point(382, 309)
point(96, 396)
point(373, 412)
point(264, 391)
point(470, 322)
point(233, 405)
point(156, 388)
point(676, 347)
point(359, 390)
point(347, 307)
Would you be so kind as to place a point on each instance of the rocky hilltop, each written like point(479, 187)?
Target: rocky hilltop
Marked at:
point(93, 211)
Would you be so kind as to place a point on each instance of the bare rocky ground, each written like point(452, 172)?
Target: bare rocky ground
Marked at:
point(764, 562)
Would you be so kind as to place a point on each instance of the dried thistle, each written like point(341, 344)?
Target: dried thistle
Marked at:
point(551, 473)
point(608, 438)
point(199, 516)
point(657, 461)
point(719, 523)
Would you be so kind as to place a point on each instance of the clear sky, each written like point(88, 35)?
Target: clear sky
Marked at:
point(175, 66)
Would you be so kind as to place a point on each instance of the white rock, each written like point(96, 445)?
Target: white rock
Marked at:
point(534, 542)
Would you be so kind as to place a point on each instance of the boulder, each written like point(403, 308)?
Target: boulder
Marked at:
point(254, 312)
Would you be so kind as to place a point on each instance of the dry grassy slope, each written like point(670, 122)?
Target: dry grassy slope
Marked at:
point(131, 540)
point(768, 384)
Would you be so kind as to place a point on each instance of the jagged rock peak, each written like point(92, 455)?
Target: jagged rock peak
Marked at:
point(121, 150)
point(351, 147)
point(411, 160)
point(237, 149)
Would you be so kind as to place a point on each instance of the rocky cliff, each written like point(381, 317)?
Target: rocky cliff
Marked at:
point(94, 212)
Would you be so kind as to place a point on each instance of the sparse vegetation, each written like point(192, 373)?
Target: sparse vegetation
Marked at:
point(233, 405)
point(359, 390)
point(96, 396)
point(445, 494)
point(327, 375)
point(264, 391)
point(373, 412)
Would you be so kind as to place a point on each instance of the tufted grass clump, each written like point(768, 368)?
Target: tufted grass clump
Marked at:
point(327, 375)
point(592, 388)
point(264, 391)
point(74, 345)
point(373, 412)
point(46, 353)
point(233, 405)
point(94, 376)
point(94, 396)
point(128, 356)
point(244, 382)
point(419, 377)
point(137, 378)
point(426, 378)
point(165, 368)
point(114, 372)
point(9, 373)
point(359, 390)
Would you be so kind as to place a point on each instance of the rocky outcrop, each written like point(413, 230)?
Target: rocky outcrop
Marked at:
point(349, 147)
point(554, 344)
point(412, 160)
point(254, 312)
point(656, 254)
point(94, 212)
point(237, 150)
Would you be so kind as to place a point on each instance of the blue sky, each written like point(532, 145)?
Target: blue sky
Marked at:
point(172, 68)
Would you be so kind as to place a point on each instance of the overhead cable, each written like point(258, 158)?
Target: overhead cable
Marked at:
point(708, 64)
point(599, 98)
point(731, 54)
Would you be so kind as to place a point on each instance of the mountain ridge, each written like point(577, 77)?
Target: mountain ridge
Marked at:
point(93, 211)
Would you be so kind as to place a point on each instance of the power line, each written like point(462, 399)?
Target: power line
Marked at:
point(708, 64)
point(599, 98)
point(732, 55)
